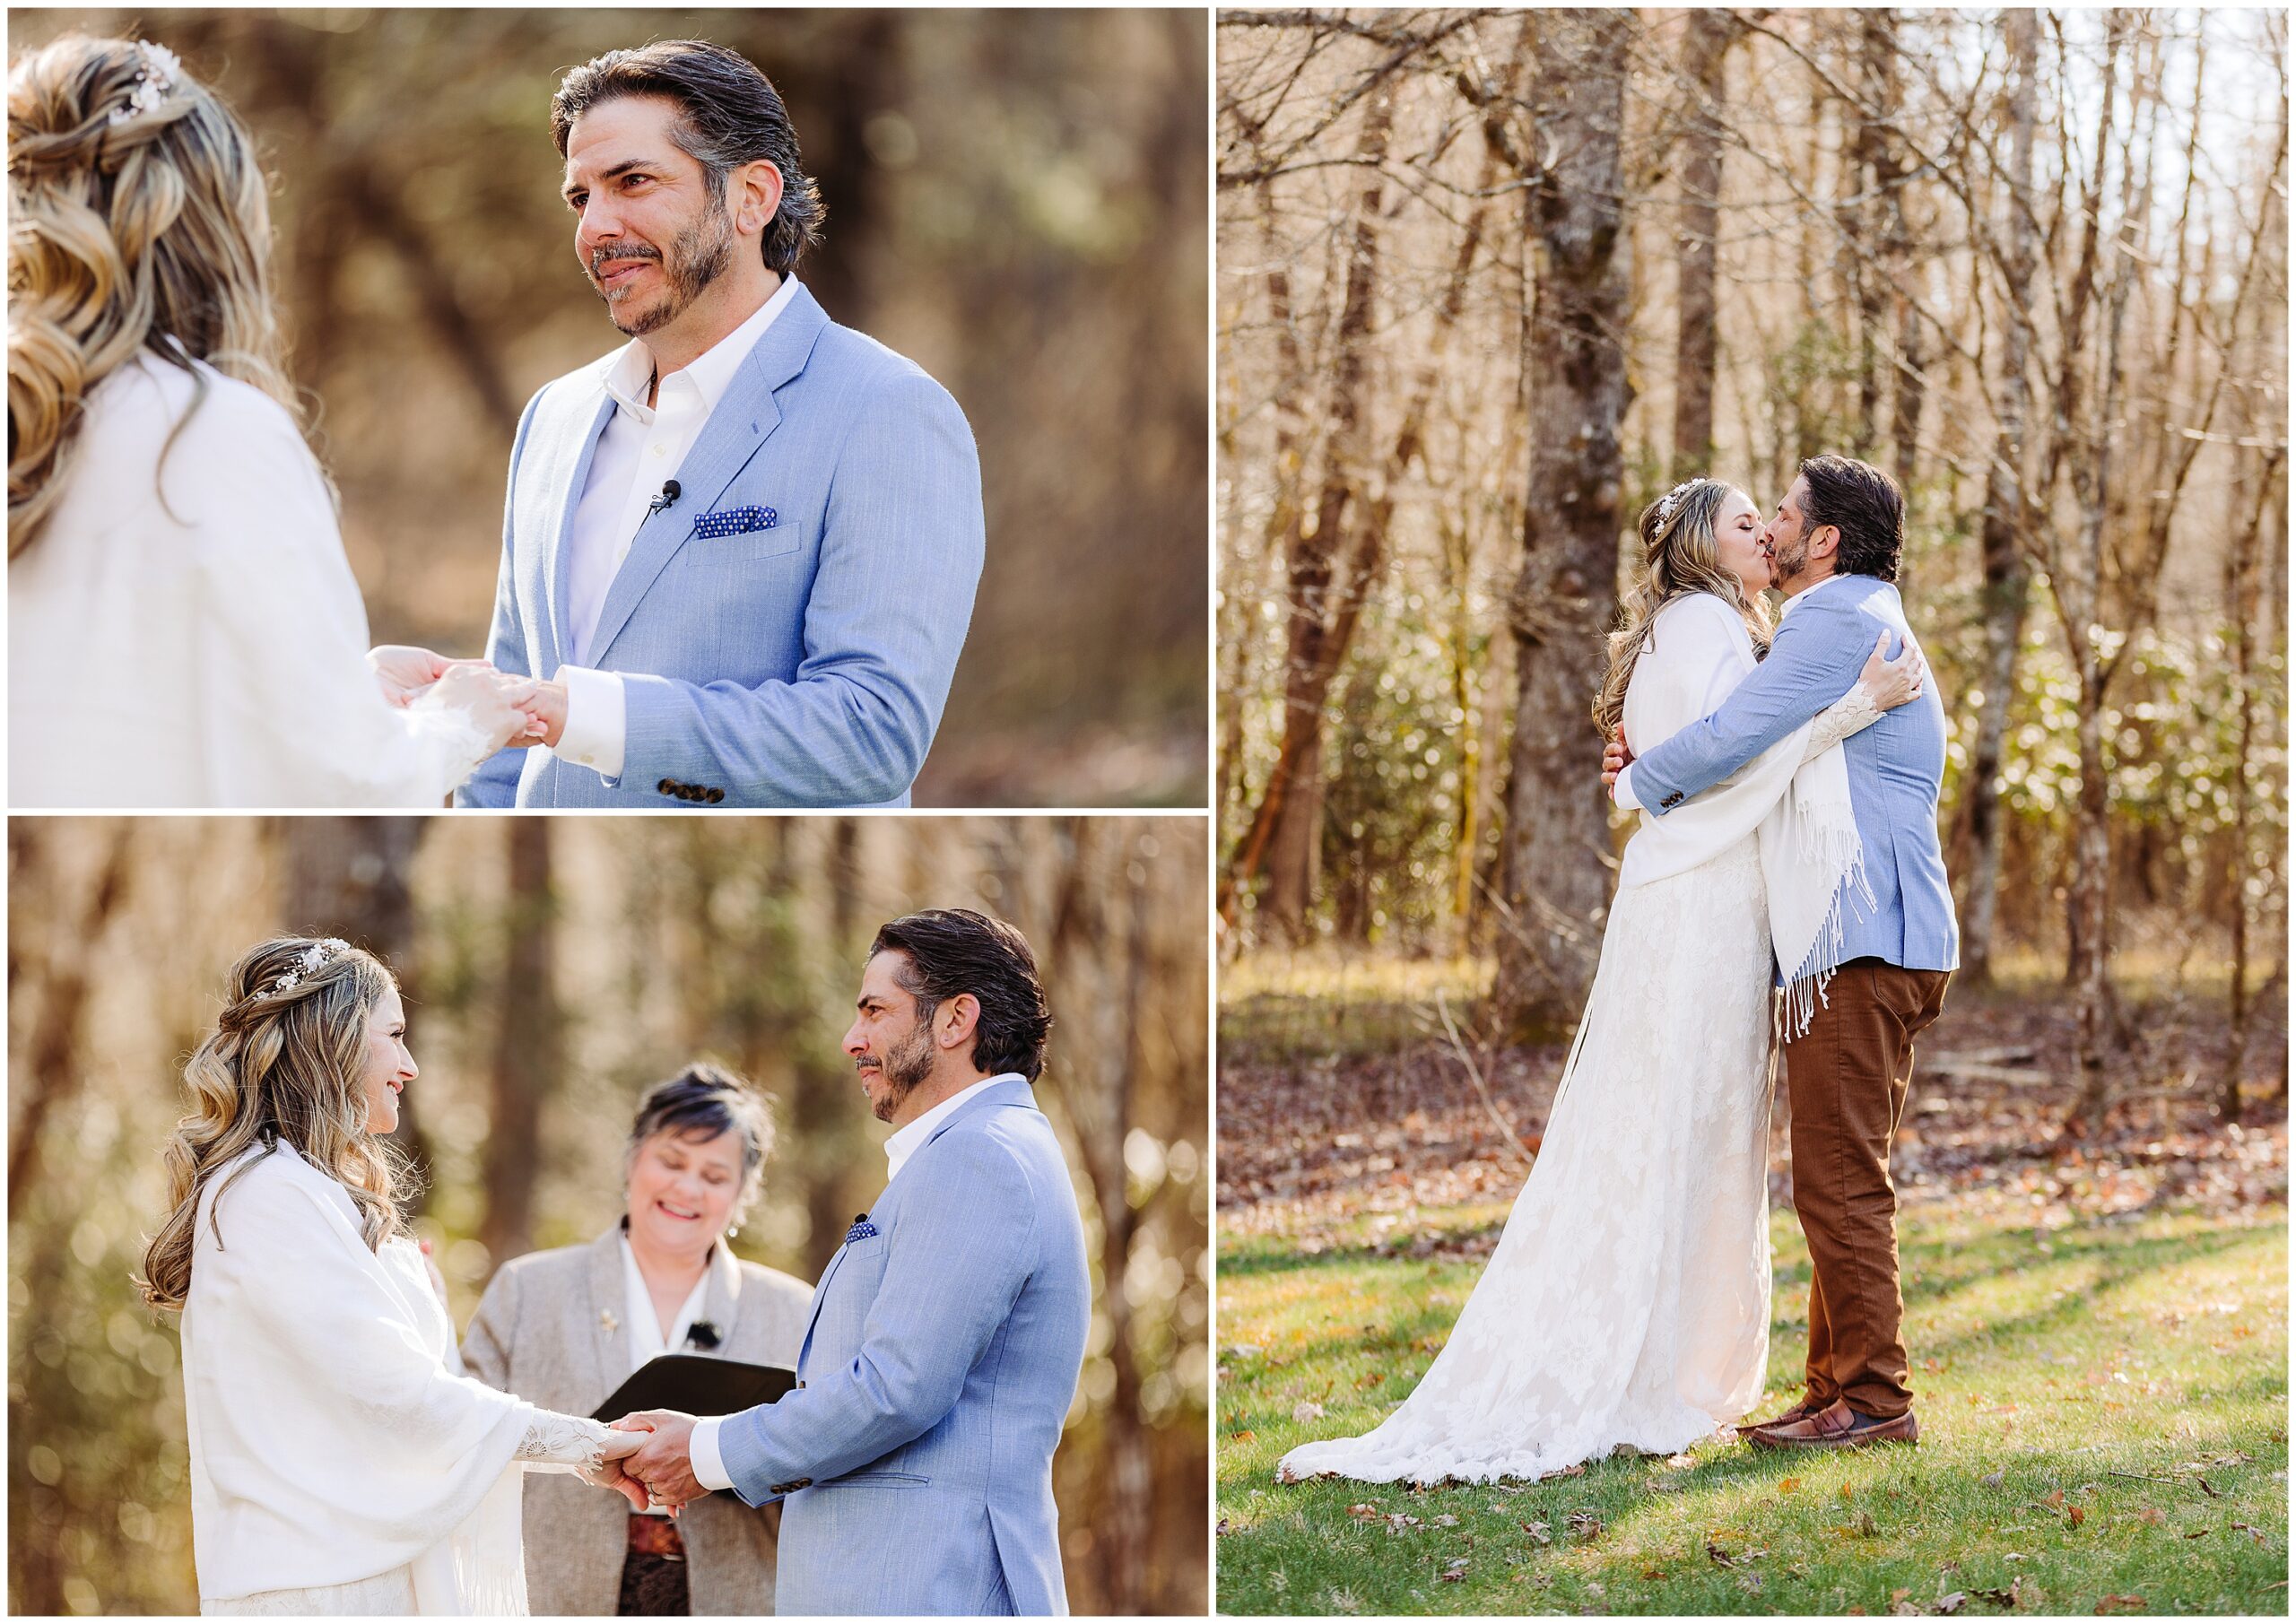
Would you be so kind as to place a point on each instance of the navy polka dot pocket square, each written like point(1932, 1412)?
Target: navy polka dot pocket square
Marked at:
point(734, 521)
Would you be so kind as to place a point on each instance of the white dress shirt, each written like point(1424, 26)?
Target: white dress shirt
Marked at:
point(708, 1466)
point(910, 1137)
point(641, 448)
point(646, 1340)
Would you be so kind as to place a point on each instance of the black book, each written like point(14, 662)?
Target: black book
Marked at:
point(699, 1383)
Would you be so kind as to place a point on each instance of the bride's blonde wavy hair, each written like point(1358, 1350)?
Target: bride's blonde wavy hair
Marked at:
point(282, 1067)
point(1680, 556)
point(148, 232)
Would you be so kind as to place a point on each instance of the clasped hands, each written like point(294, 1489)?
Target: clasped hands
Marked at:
point(652, 1464)
point(515, 712)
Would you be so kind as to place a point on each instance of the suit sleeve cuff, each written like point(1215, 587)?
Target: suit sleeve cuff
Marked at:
point(596, 721)
point(708, 1466)
point(1622, 792)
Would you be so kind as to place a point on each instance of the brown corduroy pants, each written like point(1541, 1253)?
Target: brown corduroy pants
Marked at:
point(1845, 1078)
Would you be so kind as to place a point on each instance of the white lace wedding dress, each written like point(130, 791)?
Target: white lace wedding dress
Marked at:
point(1628, 1301)
point(186, 630)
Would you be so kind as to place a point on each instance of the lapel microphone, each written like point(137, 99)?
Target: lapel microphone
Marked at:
point(670, 493)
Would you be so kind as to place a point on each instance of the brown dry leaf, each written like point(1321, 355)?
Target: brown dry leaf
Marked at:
point(1867, 1525)
point(1654, 1573)
point(2120, 1604)
point(1245, 1436)
point(1446, 1521)
point(1540, 1532)
point(1845, 1491)
point(1953, 1601)
point(1788, 1485)
point(2054, 1498)
point(1719, 1557)
point(2147, 1513)
point(2075, 1516)
point(1455, 1571)
point(1584, 1525)
point(1899, 1596)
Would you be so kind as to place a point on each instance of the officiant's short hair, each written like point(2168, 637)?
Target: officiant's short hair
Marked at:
point(729, 114)
point(701, 1102)
point(950, 950)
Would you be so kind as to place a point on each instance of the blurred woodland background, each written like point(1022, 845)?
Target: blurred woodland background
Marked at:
point(1016, 201)
point(553, 968)
point(1489, 281)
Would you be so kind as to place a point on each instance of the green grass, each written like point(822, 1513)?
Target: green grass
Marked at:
point(2046, 1364)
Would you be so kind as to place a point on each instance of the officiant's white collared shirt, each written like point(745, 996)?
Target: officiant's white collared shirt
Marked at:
point(646, 1340)
point(641, 448)
point(709, 1465)
point(1622, 792)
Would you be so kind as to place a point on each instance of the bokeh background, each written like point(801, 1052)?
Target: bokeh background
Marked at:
point(553, 967)
point(1016, 200)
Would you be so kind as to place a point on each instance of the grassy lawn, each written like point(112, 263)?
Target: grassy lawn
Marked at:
point(2104, 1416)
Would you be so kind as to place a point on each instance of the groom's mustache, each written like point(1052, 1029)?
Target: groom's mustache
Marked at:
point(606, 257)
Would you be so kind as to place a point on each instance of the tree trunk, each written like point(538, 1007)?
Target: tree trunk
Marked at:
point(1706, 39)
point(529, 1046)
point(1557, 836)
point(52, 1072)
point(2008, 576)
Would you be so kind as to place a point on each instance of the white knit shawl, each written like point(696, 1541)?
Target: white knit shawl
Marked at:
point(333, 1435)
point(1811, 853)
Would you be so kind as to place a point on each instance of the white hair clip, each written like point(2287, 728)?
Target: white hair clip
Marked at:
point(312, 958)
point(1673, 499)
point(153, 80)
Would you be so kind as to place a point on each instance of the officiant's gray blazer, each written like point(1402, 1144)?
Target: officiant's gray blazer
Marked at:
point(552, 1329)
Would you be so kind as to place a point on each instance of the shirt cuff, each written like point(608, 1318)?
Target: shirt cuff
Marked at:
point(1622, 792)
point(596, 721)
point(709, 1469)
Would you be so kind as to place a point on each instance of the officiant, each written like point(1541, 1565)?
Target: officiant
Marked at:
point(565, 1328)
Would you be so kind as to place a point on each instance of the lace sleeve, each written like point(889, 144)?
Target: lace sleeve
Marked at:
point(1851, 713)
point(563, 1442)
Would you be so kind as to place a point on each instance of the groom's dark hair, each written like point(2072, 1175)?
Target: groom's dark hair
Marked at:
point(728, 115)
point(949, 950)
point(1866, 505)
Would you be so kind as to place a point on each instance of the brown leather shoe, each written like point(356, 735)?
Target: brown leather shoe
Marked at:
point(1806, 1406)
point(1837, 1427)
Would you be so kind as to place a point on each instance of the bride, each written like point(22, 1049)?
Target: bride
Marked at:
point(341, 1462)
point(183, 629)
point(1628, 1301)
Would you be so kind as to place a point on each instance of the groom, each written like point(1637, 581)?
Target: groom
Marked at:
point(741, 550)
point(914, 1459)
point(1834, 546)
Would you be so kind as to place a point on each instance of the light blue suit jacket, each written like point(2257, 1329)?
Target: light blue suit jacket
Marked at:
point(804, 664)
point(1896, 767)
point(915, 1452)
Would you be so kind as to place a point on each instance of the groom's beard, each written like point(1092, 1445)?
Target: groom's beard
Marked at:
point(904, 1068)
point(1787, 561)
point(698, 256)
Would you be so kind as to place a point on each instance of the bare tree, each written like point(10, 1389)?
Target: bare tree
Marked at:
point(529, 1049)
point(1556, 841)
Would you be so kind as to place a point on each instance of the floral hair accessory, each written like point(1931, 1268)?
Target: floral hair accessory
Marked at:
point(153, 80)
point(310, 959)
point(1672, 502)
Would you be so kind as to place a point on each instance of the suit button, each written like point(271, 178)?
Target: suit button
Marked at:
point(714, 797)
point(688, 792)
point(666, 787)
point(801, 1384)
